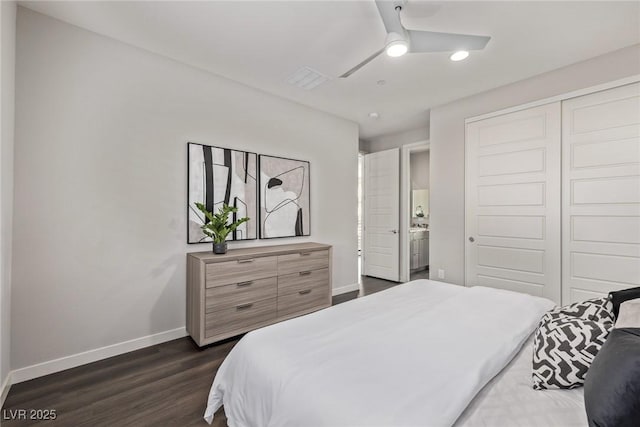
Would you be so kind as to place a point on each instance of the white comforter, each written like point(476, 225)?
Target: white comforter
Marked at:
point(413, 355)
point(509, 400)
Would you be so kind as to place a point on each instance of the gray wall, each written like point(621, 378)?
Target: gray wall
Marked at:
point(419, 168)
point(100, 184)
point(7, 74)
point(447, 144)
point(363, 146)
point(396, 140)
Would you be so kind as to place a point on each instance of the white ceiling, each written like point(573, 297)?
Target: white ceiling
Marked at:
point(261, 43)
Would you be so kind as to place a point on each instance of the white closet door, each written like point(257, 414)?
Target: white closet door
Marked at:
point(382, 215)
point(513, 202)
point(601, 193)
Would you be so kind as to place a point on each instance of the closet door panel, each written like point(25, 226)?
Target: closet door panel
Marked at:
point(601, 193)
point(513, 202)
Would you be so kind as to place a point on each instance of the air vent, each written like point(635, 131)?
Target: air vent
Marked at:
point(307, 78)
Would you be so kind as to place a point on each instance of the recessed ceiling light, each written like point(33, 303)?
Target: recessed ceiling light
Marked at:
point(374, 115)
point(459, 55)
point(396, 45)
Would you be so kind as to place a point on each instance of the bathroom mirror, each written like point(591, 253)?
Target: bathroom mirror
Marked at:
point(420, 203)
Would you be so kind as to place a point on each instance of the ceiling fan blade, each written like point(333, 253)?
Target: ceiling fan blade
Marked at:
point(390, 16)
point(362, 64)
point(429, 41)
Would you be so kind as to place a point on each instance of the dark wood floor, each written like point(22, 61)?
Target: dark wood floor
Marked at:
point(163, 385)
point(420, 274)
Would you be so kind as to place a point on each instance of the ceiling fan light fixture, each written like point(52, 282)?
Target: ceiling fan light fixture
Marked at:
point(396, 45)
point(459, 55)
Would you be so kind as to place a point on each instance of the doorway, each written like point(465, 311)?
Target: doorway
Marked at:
point(360, 210)
point(415, 209)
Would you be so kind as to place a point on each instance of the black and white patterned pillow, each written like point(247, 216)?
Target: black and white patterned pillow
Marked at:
point(566, 342)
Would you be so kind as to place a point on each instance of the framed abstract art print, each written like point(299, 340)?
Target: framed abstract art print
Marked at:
point(218, 176)
point(284, 197)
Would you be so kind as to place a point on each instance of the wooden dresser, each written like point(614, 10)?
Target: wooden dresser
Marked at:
point(248, 288)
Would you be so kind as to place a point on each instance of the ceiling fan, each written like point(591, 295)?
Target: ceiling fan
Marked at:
point(401, 40)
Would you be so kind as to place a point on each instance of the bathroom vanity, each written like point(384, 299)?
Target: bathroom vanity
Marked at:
point(419, 248)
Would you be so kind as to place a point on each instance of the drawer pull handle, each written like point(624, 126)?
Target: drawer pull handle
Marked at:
point(305, 273)
point(244, 306)
point(243, 284)
point(307, 291)
point(305, 253)
point(243, 261)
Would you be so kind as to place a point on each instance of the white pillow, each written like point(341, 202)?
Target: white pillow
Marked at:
point(629, 315)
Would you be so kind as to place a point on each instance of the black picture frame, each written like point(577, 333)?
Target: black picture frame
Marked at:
point(210, 201)
point(303, 212)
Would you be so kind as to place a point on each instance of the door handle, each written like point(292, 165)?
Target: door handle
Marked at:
point(393, 231)
point(471, 239)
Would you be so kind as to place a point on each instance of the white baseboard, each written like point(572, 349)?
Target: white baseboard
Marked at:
point(6, 385)
point(345, 289)
point(52, 366)
point(41, 369)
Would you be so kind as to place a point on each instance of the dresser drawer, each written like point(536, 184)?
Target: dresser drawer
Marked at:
point(240, 318)
point(241, 270)
point(303, 261)
point(293, 283)
point(231, 294)
point(220, 297)
point(303, 301)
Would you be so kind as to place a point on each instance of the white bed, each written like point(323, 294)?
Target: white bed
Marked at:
point(509, 400)
point(416, 354)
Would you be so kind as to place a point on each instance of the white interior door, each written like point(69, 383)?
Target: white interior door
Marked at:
point(382, 215)
point(601, 193)
point(513, 202)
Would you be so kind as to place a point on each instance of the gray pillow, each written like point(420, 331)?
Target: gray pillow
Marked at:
point(612, 387)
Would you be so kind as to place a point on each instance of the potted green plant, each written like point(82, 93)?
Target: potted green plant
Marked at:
point(218, 228)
